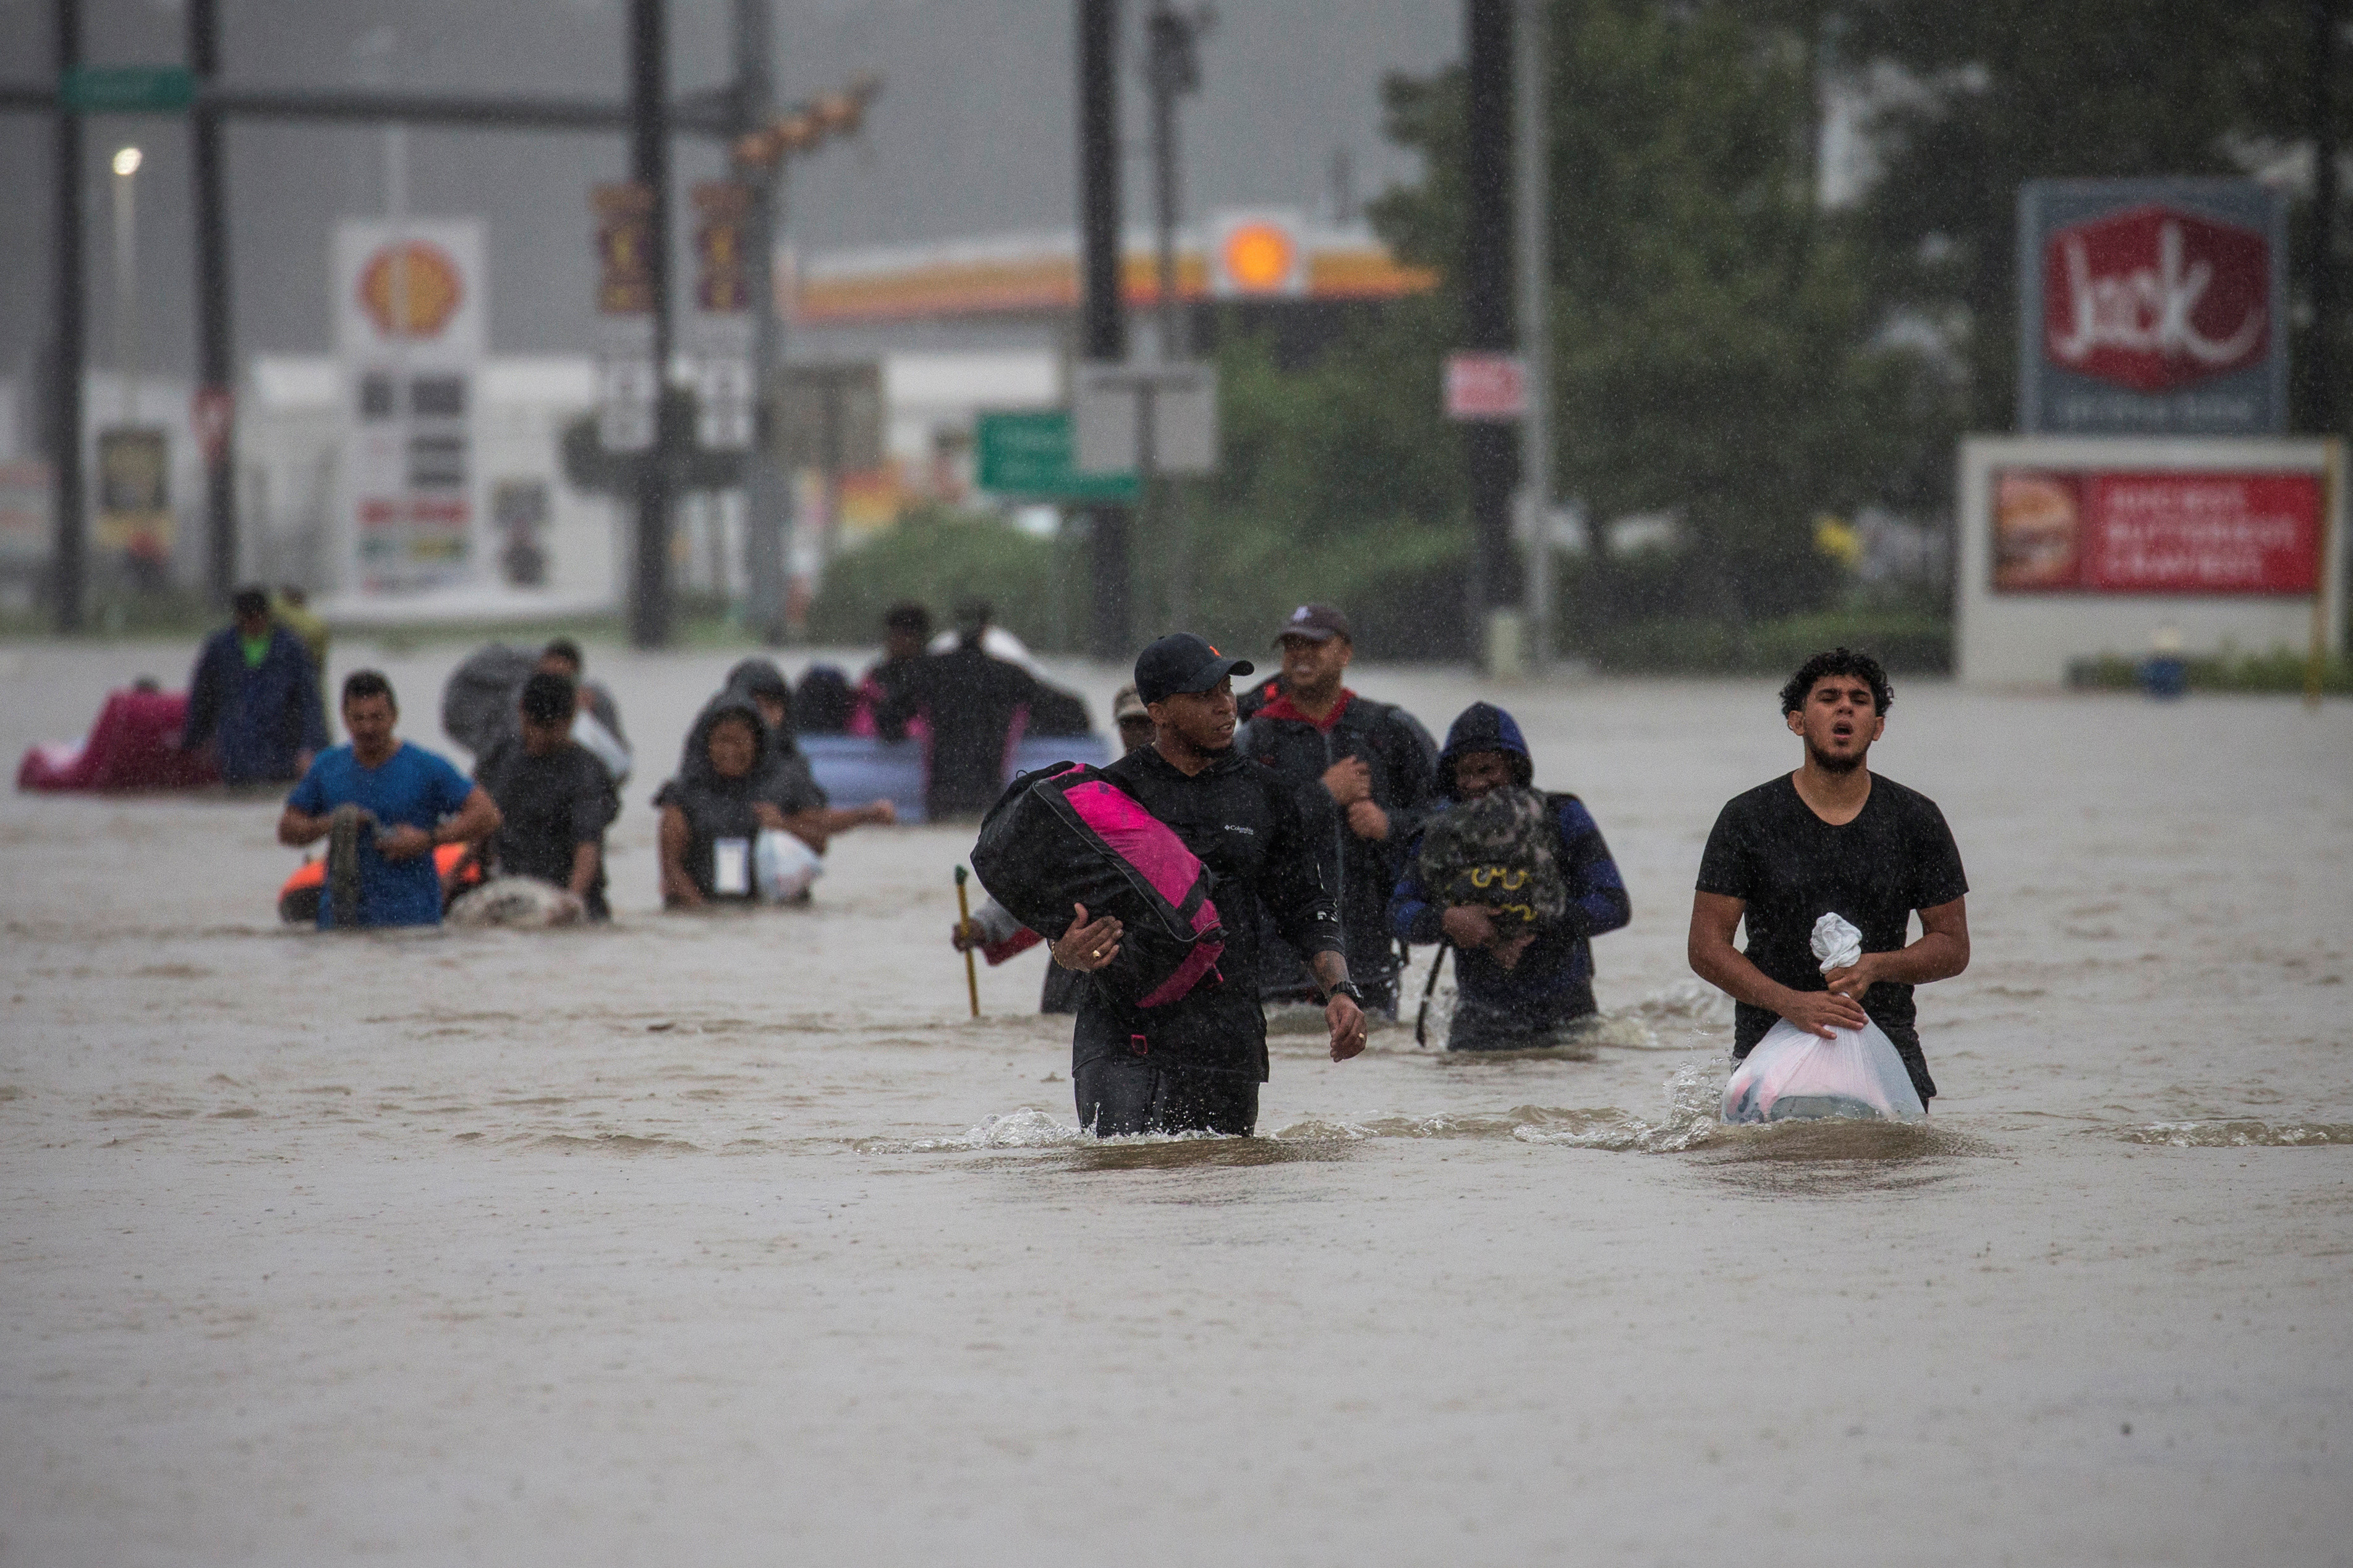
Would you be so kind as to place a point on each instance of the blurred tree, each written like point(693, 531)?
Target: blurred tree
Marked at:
point(1976, 95)
point(1715, 337)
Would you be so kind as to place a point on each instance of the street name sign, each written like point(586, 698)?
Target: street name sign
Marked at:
point(1029, 454)
point(127, 90)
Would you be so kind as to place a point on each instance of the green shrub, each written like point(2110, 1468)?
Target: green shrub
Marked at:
point(1904, 642)
point(2280, 669)
point(1037, 587)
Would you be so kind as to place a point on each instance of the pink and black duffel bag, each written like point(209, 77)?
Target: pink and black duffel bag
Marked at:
point(1068, 835)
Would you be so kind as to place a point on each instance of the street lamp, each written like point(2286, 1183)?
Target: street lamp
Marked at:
point(126, 277)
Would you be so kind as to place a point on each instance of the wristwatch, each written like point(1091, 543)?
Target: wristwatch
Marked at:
point(1345, 988)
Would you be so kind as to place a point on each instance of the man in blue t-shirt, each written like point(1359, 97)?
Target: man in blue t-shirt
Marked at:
point(385, 805)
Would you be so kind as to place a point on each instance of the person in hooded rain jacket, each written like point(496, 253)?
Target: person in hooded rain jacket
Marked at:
point(712, 812)
point(254, 698)
point(1520, 982)
point(787, 780)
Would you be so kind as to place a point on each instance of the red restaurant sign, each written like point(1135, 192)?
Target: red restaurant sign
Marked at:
point(2156, 297)
point(2156, 533)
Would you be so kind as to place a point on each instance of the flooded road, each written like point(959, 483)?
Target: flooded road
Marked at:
point(733, 1239)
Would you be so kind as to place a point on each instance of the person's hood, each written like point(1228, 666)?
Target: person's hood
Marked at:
point(1484, 727)
point(756, 675)
point(694, 768)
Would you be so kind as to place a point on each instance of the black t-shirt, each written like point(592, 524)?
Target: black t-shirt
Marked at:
point(1769, 849)
point(551, 805)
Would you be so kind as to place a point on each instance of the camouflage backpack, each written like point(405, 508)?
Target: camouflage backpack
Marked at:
point(1500, 850)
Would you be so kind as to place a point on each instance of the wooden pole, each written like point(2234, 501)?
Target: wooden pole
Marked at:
point(964, 915)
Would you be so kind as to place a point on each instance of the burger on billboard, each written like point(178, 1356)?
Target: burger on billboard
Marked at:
point(2151, 307)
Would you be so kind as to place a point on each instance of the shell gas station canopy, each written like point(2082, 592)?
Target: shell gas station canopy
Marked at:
point(1252, 256)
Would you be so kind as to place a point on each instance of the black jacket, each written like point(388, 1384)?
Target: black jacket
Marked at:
point(1361, 872)
point(716, 807)
point(972, 701)
point(1240, 820)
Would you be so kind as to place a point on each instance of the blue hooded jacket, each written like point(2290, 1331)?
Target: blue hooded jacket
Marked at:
point(1553, 981)
point(261, 717)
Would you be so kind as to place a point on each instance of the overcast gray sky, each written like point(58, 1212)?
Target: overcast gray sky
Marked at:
point(974, 135)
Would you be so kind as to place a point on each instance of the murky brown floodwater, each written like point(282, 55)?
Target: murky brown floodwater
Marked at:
point(733, 1239)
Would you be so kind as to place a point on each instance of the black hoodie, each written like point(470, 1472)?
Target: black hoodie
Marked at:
point(786, 781)
point(716, 807)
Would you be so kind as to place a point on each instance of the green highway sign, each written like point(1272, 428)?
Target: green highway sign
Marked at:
point(127, 90)
point(1029, 454)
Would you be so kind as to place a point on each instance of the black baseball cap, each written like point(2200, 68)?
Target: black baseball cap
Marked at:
point(1317, 623)
point(1181, 662)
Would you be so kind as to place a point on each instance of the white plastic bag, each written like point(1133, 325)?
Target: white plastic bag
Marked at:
point(1794, 1074)
point(784, 866)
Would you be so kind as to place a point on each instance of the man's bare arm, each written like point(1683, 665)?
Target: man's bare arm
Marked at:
point(1715, 917)
point(673, 836)
point(1342, 1016)
point(586, 858)
point(297, 828)
point(1942, 951)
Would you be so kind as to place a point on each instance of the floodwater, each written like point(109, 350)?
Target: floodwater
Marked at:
point(734, 1240)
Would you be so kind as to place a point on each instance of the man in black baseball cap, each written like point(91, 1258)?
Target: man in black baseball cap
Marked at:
point(1361, 772)
point(1195, 1065)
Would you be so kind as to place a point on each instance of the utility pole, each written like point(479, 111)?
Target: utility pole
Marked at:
point(1172, 69)
point(2321, 406)
point(1488, 458)
point(1103, 321)
point(216, 345)
point(650, 603)
point(767, 492)
point(1531, 58)
point(69, 307)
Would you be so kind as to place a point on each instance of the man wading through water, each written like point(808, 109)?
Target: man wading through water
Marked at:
point(1831, 838)
point(1361, 772)
point(1195, 1065)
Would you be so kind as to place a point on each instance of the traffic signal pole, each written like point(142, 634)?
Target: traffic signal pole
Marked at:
point(1488, 455)
point(70, 308)
point(650, 598)
point(215, 347)
point(1102, 316)
point(1533, 57)
point(766, 492)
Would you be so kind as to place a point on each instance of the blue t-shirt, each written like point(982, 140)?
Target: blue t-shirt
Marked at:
point(412, 787)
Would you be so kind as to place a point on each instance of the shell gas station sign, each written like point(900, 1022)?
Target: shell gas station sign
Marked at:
point(410, 335)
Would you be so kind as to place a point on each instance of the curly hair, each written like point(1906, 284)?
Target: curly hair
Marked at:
point(1838, 661)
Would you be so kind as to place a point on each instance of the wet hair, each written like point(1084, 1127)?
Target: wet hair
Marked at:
point(362, 683)
point(249, 600)
point(1838, 661)
point(548, 699)
point(566, 650)
point(908, 617)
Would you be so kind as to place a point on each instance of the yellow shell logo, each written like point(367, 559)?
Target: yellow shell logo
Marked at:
point(1259, 257)
point(432, 295)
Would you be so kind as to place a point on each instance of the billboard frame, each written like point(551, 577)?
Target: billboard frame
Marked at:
point(2027, 638)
